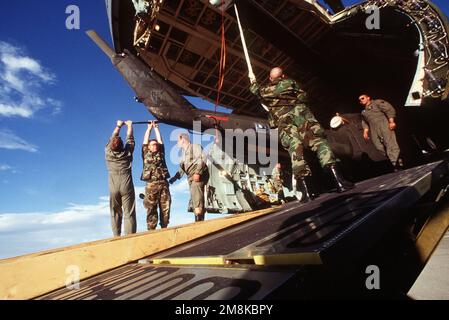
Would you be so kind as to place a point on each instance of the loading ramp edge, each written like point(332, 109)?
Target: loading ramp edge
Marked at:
point(33, 275)
point(197, 228)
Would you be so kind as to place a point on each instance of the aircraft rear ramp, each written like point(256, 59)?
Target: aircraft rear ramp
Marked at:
point(258, 258)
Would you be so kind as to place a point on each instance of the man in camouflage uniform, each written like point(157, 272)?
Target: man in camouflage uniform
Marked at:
point(378, 120)
point(193, 163)
point(119, 160)
point(298, 128)
point(155, 173)
point(277, 176)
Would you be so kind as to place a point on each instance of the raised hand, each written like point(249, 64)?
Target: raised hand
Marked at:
point(252, 77)
point(365, 135)
point(392, 125)
point(196, 177)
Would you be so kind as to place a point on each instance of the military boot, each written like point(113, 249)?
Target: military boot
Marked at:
point(341, 183)
point(399, 166)
point(199, 217)
point(304, 185)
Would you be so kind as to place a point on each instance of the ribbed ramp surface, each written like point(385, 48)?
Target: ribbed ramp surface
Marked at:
point(252, 259)
point(143, 282)
point(321, 231)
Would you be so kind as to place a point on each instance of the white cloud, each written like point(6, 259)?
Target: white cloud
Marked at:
point(23, 233)
point(73, 216)
point(21, 78)
point(180, 187)
point(15, 64)
point(5, 167)
point(10, 141)
point(8, 168)
point(11, 111)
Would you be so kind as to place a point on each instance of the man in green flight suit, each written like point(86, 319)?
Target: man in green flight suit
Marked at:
point(119, 160)
point(298, 129)
point(193, 163)
point(378, 120)
point(155, 173)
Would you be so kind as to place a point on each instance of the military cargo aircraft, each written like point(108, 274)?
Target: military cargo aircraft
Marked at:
point(332, 247)
point(173, 49)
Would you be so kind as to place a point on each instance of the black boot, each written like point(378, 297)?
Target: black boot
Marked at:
point(313, 191)
point(399, 166)
point(341, 183)
point(199, 217)
point(303, 186)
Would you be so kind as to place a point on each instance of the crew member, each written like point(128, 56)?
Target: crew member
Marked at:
point(193, 163)
point(119, 159)
point(298, 129)
point(155, 173)
point(378, 121)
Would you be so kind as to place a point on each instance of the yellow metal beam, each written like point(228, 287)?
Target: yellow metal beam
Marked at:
point(216, 260)
point(288, 259)
point(33, 275)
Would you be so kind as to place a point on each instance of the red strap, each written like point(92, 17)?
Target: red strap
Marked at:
point(217, 118)
point(221, 71)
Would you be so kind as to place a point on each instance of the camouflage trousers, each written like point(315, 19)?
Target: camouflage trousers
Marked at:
point(298, 129)
point(278, 184)
point(157, 194)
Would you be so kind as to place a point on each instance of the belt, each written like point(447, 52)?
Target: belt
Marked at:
point(157, 181)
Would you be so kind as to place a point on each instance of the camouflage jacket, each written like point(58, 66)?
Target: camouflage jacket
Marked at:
point(154, 166)
point(280, 96)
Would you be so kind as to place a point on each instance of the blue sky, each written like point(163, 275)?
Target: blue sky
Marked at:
point(59, 104)
point(59, 100)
